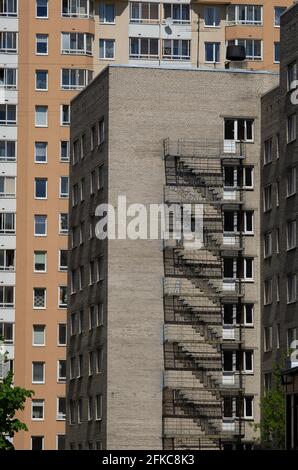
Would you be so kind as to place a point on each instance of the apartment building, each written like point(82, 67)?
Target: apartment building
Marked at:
point(279, 226)
point(164, 341)
point(49, 50)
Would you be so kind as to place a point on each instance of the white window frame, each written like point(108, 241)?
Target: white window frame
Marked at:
point(104, 41)
point(36, 345)
point(63, 306)
point(58, 331)
point(42, 162)
point(98, 407)
point(6, 157)
point(291, 175)
point(63, 195)
point(254, 57)
point(268, 244)
point(41, 404)
point(46, 188)
point(44, 372)
point(45, 299)
point(60, 379)
point(47, 80)
point(293, 299)
point(237, 19)
point(41, 17)
point(102, 13)
point(63, 232)
point(64, 160)
point(267, 201)
point(4, 35)
point(291, 128)
point(62, 416)
point(64, 123)
point(38, 37)
point(214, 46)
point(66, 37)
point(268, 341)
point(268, 291)
point(7, 121)
point(9, 72)
point(268, 151)
point(46, 115)
point(277, 25)
point(290, 224)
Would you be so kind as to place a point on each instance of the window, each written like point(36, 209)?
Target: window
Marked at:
point(63, 260)
point(41, 152)
point(90, 408)
point(291, 128)
point(7, 260)
point(63, 224)
point(37, 442)
point(8, 114)
point(80, 366)
point(71, 412)
point(144, 12)
point(77, 148)
point(64, 151)
point(253, 47)
point(268, 151)
point(91, 363)
point(239, 130)
point(61, 408)
point(247, 180)
point(291, 181)
point(6, 296)
point(238, 360)
point(277, 240)
point(292, 338)
point(75, 194)
point(98, 407)
point(41, 8)
point(38, 372)
point(81, 322)
point(78, 8)
point(99, 359)
point(9, 8)
point(7, 223)
point(83, 146)
point(40, 188)
point(277, 14)
point(176, 49)
point(267, 291)
point(101, 131)
point(212, 52)
point(8, 186)
point(267, 244)
point(248, 314)
point(277, 289)
point(292, 75)
point(236, 407)
point(143, 48)
point(8, 78)
point(100, 268)
point(62, 297)
point(179, 14)
point(212, 16)
point(291, 234)
point(268, 198)
point(245, 14)
point(39, 297)
point(248, 269)
point(75, 79)
point(106, 13)
point(8, 151)
point(73, 324)
point(62, 334)
point(65, 114)
point(107, 48)
point(8, 42)
point(93, 143)
point(60, 445)
point(248, 222)
point(92, 317)
point(37, 410)
point(41, 80)
point(76, 43)
point(291, 288)
point(61, 370)
point(64, 187)
point(268, 338)
point(277, 335)
point(42, 44)
point(7, 332)
point(72, 368)
point(41, 116)
point(80, 410)
point(39, 335)
point(277, 52)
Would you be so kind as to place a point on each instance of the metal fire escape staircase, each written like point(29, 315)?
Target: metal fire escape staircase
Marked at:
point(194, 384)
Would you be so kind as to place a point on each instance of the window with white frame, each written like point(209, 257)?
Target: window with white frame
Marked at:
point(40, 261)
point(248, 222)
point(41, 116)
point(61, 370)
point(71, 412)
point(98, 407)
point(61, 408)
point(76, 43)
point(144, 12)
point(98, 360)
point(39, 297)
point(267, 151)
point(41, 152)
point(37, 442)
point(292, 336)
point(40, 188)
point(237, 407)
point(8, 114)
point(278, 11)
point(63, 260)
point(91, 363)
point(268, 338)
point(235, 361)
point(245, 14)
point(41, 80)
point(64, 151)
point(7, 296)
point(107, 13)
point(268, 198)
point(63, 223)
point(7, 332)
point(276, 52)
point(291, 128)
point(291, 181)
point(239, 129)
point(62, 335)
point(8, 42)
point(37, 410)
point(65, 114)
point(143, 48)
point(7, 222)
point(253, 47)
point(291, 288)
point(212, 51)
point(267, 244)
point(177, 13)
point(38, 372)
point(277, 335)
point(78, 8)
point(101, 131)
point(9, 8)
point(267, 291)
point(212, 16)
point(80, 366)
point(75, 79)
point(41, 44)
point(292, 75)
point(107, 48)
point(247, 179)
point(8, 186)
point(8, 151)
point(64, 187)
point(7, 260)
point(72, 368)
point(176, 49)
point(90, 408)
point(81, 322)
point(76, 154)
point(41, 8)
point(8, 78)
point(62, 303)
point(39, 335)
point(80, 410)
point(291, 234)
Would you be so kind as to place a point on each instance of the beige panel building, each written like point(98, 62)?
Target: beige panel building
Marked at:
point(48, 50)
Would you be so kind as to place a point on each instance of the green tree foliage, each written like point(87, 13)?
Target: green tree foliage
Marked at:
point(12, 399)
